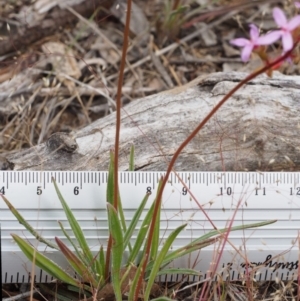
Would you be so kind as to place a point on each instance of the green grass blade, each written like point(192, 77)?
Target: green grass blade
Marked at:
point(184, 251)
point(43, 262)
point(79, 267)
point(159, 259)
point(109, 200)
point(134, 221)
point(131, 168)
point(155, 239)
point(115, 230)
point(205, 241)
point(80, 255)
point(133, 286)
point(122, 218)
point(98, 275)
point(141, 236)
point(23, 222)
point(235, 228)
point(101, 261)
point(75, 228)
point(181, 271)
point(110, 182)
point(131, 159)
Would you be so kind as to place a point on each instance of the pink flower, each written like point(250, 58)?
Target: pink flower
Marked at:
point(255, 40)
point(297, 4)
point(286, 27)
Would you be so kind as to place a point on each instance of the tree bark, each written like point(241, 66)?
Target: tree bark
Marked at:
point(256, 129)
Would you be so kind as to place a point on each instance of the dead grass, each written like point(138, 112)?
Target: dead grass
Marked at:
point(227, 291)
point(65, 81)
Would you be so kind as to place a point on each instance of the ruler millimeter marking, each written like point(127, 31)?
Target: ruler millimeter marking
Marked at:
point(263, 253)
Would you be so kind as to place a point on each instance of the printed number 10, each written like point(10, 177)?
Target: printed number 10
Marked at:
point(228, 191)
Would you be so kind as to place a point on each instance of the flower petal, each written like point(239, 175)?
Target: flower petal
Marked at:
point(240, 42)
point(269, 38)
point(279, 17)
point(246, 52)
point(287, 41)
point(254, 32)
point(294, 22)
point(297, 4)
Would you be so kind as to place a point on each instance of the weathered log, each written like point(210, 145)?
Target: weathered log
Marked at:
point(257, 129)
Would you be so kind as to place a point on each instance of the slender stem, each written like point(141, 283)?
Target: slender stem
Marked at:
point(118, 126)
point(118, 102)
point(186, 142)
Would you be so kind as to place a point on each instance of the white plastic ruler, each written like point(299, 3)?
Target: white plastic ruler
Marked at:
point(271, 251)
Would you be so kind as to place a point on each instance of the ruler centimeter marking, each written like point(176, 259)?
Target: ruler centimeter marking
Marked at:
point(272, 250)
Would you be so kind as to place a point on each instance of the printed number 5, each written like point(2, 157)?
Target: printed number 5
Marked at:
point(39, 190)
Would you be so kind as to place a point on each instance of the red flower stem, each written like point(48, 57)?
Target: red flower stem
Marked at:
point(186, 142)
point(118, 126)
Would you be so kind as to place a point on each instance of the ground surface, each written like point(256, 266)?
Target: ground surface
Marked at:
point(59, 69)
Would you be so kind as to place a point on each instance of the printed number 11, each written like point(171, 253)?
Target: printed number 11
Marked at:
point(264, 191)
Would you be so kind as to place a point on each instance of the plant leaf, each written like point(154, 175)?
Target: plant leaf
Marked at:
point(79, 267)
point(155, 239)
point(142, 233)
point(80, 255)
point(43, 262)
point(141, 236)
point(134, 221)
point(187, 250)
point(76, 228)
point(133, 287)
point(110, 181)
point(235, 228)
point(122, 217)
point(101, 271)
point(206, 240)
point(181, 271)
point(23, 222)
point(116, 233)
point(159, 259)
